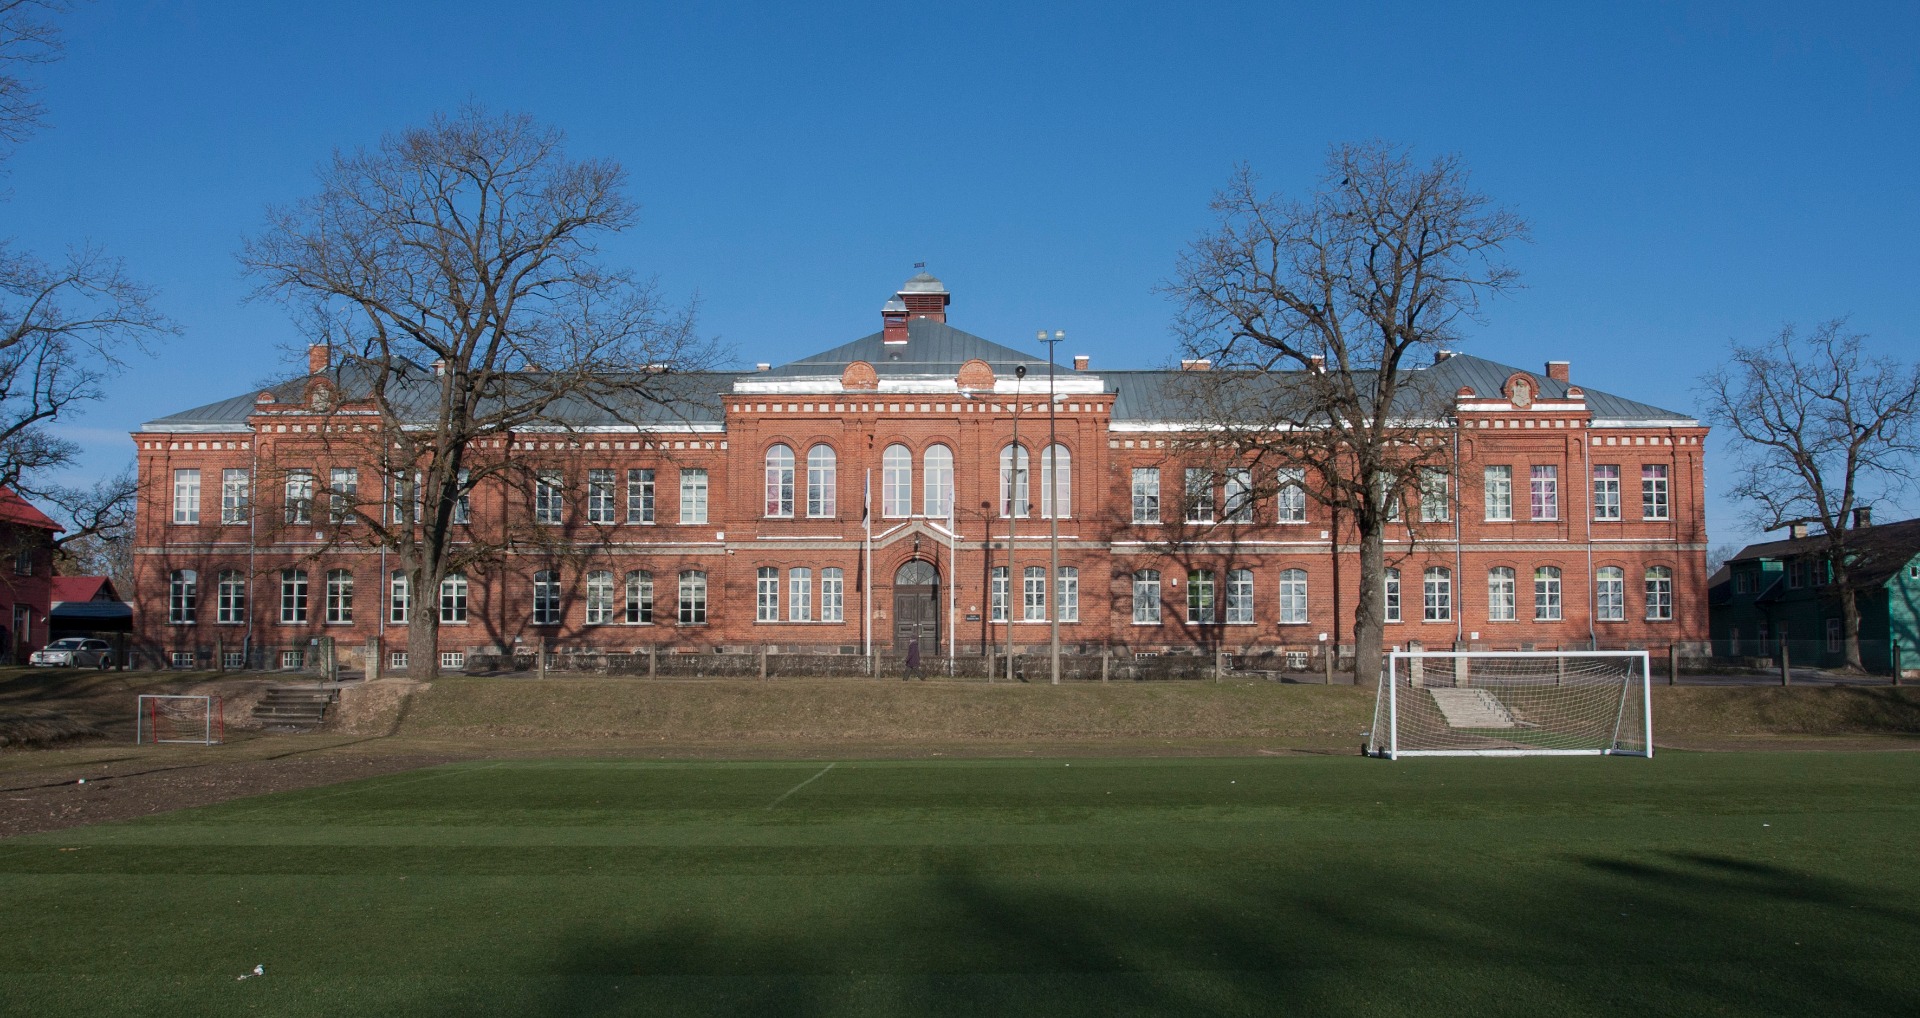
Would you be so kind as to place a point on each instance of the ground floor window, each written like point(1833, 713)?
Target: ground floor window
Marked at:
point(693, 598)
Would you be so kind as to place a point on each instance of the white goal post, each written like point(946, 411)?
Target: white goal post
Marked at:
point(1513, 703)
point(190, 719)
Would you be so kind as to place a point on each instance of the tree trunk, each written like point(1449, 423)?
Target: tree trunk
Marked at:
point(1850, 622)
point(1368, 620)
point(423, 638)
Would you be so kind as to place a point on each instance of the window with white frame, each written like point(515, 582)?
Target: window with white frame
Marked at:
point(1543, 485)
point(186, 496)
point(343, 495)
point(1437, 594)
point(293, 595)
point(1067, 592)
point(600, 495)
point(1546, 594)
point(1146, 494)
point(292, 660)
point(600, 594)
point(1499, 493)
point(235, 488)
point(1293, 597)
point(833, 595)
point(1056, 482)
point(1653, 491)
point(399, 597)
point(1200, 605)
point(546, 598)
point(230, 607)
point(1610, 594)
point(1386, 488)
point(1834, 636)
point(1659, 594)
point(693, 503)
point(453, 599)
point(463, 498)
point(181, 659)
point(397, 660)
point(1199, 495)
point(1146, 596)
point(640, 495)
point(823, 482)
point(299, 502)
point(937, 484)
point(1293, 495)
point(896, 481)
point(799, 595)
point(453, 659)
point(1606, 491)
point(1239, 597)
point(405, 487)
point(1238, 493)
point(1392, 608)
point(549, 497)
point(339, 596)
point(1013, 482)
point(1435, 496)
point(766, 594)
point(1033, 589)
point(183, 596)
point(639, 598)
point(997, 595)
point(1502, 594)
point(779, 500)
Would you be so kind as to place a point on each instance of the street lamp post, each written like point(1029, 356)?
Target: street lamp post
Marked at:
point(1051, 464)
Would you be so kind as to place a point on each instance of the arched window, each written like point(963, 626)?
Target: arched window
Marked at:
point(937, 492)
point(1546, 594)
point(546, 598)
point(233, 597)
point(1436, 594)
point(896, 481)
point(1293, 596)
point(1659, 594)
point(1056, 481)
point(1610, 594)
point(766, 594)
point(693, 598)
point(453, 598)
point(822, 482)
point(779, 481)
point(1500, 595)
point(639, 598)
point(1239, 596)
point(339, 595)
point(1013, 482)
point(599, 597)
point(1033, 594)
point(399, 598)
point(183, 596)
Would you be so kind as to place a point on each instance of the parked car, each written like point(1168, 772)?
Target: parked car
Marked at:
point(74, 652)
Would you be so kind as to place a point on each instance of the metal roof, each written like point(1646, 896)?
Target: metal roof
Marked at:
point(933, 348)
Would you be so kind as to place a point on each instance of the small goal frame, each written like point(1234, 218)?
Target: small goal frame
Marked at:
point(165, 718)
point(1386, 714)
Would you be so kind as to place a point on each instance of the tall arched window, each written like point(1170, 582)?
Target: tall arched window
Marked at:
point(896, 481)
point(1013, 482)
point(1610, 594)
point(822, 483)
point(599, 597)
point(639, 598)
point(546, 598)
point(779, 481)
point(1500, 594)
point(1436, 594)
point(1659, 594)
point(936, 497)
point(183, 596)
point(1056, 481)
point(1546, 594)
point(453, 598)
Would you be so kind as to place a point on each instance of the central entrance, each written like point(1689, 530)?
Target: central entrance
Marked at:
point(916, 607)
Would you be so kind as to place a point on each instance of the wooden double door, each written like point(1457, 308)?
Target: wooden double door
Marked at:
point(916, 607)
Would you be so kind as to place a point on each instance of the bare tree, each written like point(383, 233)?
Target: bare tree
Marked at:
point(1824, 429)
point(452, 269)
point(27, 38)
point(1316, 308)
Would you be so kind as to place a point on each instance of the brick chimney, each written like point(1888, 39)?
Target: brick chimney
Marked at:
point(1081, 360)
point(1196, 364)
point(319, 358)
point(1862, 517)
point(1559, 371)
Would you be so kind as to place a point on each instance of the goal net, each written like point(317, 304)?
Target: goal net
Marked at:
point(195, 719)
point(1445, 703)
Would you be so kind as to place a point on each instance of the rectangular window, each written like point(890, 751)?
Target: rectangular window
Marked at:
point(183, 595)
point(1610, 594)
point(1437, 595)
point(292, 660)
point(1796, 574)
point(399, 599)
point(640, 495)
point(1833, 636)
point(1499, 491)
point(1239, 597)
point(23, 562)
point(406, 497)
point(397, 660)
point(1606, 492)
point(186, 496)
point(1393, 595)
point(293, 595)
point(997, 595)
point(639, 598)
point(1434, 496)
point(1544, 486)
point(1033, 591)
point(799, 595)
point(343, 494)
point(1146, 494)
point(233, 660)
point(1239, 494)
point(1199, 492)
point(453, 599)
point(1146, 597)
point(1546, 594)
point(463, 501)
point(235, 491)
point(1200, 597)
point(1660, 595)
point(1653, 491)
point(232, 599)
point(339, 597)
point(1384, 485)
point(182, 659)
point(1293, 495)
point(299, 496)
point(453, 659)
point(833, 595)
point(548, 496)
point(600, 495)
point(693, 497)
point(1293, 597)
point(1069, 594)
point(600, 593)
point(546, 598)
point(1501, 595)
point(766, 595)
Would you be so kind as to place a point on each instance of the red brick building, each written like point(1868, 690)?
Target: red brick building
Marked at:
point(733, 518)
point(26, 584)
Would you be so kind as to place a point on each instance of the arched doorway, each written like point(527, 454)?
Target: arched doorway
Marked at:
point(916, 606)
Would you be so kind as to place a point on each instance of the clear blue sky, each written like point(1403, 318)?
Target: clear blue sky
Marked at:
point(1694, 173)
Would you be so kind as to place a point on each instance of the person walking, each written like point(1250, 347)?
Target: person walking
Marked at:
point(913, 661)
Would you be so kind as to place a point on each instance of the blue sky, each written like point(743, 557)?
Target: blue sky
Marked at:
point(1693, 173)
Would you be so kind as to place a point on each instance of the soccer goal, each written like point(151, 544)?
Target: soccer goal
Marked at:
point(193, 719)
point(1494, 703)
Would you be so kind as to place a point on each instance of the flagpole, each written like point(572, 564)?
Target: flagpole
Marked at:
point(953, 559)
point(866, 599)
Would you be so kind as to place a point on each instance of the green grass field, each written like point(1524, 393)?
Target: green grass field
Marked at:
point(1688, 884)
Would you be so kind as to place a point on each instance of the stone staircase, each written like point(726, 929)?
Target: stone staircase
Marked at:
point(294, 708)
point(1472, 708)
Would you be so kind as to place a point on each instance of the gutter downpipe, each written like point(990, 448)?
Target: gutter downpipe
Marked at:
point(1459, 567)
point(1586, 466)
point(253, 544)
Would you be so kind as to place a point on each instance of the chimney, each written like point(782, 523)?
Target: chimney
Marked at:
point(1559, 371)
point(1796, 531)
point(763, 366)
point(1080, 361)
point(1317, 363)
point(319, 358)
point(1862, 517)
point(1441, 355)
point(439, 367)
point(923, 296)
point(893, 321)
point(1196, 364)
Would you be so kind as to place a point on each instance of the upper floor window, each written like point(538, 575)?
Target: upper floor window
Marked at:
point(1239, 495)
point(549, 502)
point(1659, 594)
point(1546, 594)
point(406, 497)
point(823, 484)
point(186, 496)
point(937, 482)
point(463, 497)
point(1653, 491)
point(693, 508)
point(1146, 494)
point(1199, 493)
point(1606, 491)
point(343, 495)
point(1544, 488)
point(1434, 496)
point(1610, 594)
point(779, 481)
point(1293, 495)
point(299, 496)
point(1499, 492)
point(896, 481)
point(1013, 482)
point(640, 495)
point(235, 485)
point(1056, 482)
point(600, 495)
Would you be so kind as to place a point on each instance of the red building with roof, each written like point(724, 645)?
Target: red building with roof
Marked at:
point(26, 584)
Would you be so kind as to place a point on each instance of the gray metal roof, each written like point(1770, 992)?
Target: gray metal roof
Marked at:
point(923, 282)
point(932, 348)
